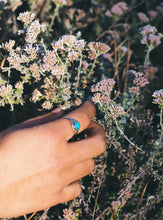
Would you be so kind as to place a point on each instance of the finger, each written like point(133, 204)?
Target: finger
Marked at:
point(51, 116)
point(92, 146)
point(42, 119)
point(83, 115)
point(71, 191)
point(78, 171)
point(82, 169)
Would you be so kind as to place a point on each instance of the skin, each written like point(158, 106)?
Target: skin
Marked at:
point(39, 168)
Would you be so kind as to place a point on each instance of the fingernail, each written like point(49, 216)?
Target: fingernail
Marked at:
point(57, 110)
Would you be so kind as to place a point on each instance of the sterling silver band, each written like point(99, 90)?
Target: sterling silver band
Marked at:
point(74, 124)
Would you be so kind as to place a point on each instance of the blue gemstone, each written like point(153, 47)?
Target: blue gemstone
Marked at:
point(77, 125)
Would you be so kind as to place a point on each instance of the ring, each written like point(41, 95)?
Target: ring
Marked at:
point(75, 124)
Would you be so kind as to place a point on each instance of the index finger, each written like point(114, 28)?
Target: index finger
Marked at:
point(84, 114)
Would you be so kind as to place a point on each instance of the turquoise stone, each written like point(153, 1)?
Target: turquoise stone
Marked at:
point(77, 125)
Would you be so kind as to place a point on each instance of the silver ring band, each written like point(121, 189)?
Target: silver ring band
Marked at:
point(74, 124)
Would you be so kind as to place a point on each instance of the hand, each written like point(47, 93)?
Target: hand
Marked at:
point(39, 168)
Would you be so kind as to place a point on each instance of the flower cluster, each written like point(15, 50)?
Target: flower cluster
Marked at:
point(115, 111)
point(142, 17)
point(119, 203)
point(117, 9)
point(160, 7)
point(8, 46)
point(158, 97)
point(150, 36)
point(26, 17)
point(68, 214)
point(70, 46)
point(150, 70)
point(11, 95)
point(97, 48)
point(139, 81)
point(103, 91)
point(14, 4)
point(52, 65)
point(152, 13)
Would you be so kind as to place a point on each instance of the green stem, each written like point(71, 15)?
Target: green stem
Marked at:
point(96, 202)
point(55, 14)
point(129, 108)
point(161, 123)
point(93, 66)
point(78, 77)
point(120, 130)
point(147, 61)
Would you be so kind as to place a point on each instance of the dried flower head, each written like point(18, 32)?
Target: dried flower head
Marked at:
point(107, 13)
point(115, 111)
point(97, 97)
point(119, 8)
point(98, 47)
point(142, 17)
point(68, 214)
point(33, 30)
point(135, 90)
point(6, 91)
point(140, 79)
point(15, 4)
point(36, 95)
point(105, 86)
point(49, 60)
point(116, 205)
point(158, 97)
point(150, 70)
point(154, 39)
point(152, 13)
point(19, 85)
point(124, 49)
point(8, 46)
point(160, 8)
point(68, 40)
point(73, 55)
point(103, 89)
point(15, 61)
point(32, 51)
point(148, 29)
point(47, 105)
point(26, 17)
point(34, 68)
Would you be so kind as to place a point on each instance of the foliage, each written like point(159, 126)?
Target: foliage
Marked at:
point(62, 52)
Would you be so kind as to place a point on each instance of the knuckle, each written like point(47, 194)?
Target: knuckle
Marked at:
point(92, 165)
point(86, 116)
point(101, 128)
point(78, 190)
point(102, 143)
point(50, 134)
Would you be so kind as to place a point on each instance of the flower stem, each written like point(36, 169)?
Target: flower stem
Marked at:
point(93, 66)
point(120, 130)
point(55, 14)
point(78, 77)
point(147, 61)
point(161, 123)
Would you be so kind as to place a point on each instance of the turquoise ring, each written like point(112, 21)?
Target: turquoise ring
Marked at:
point(74, 123)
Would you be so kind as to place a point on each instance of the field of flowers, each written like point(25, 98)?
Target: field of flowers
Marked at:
point(63, 52)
